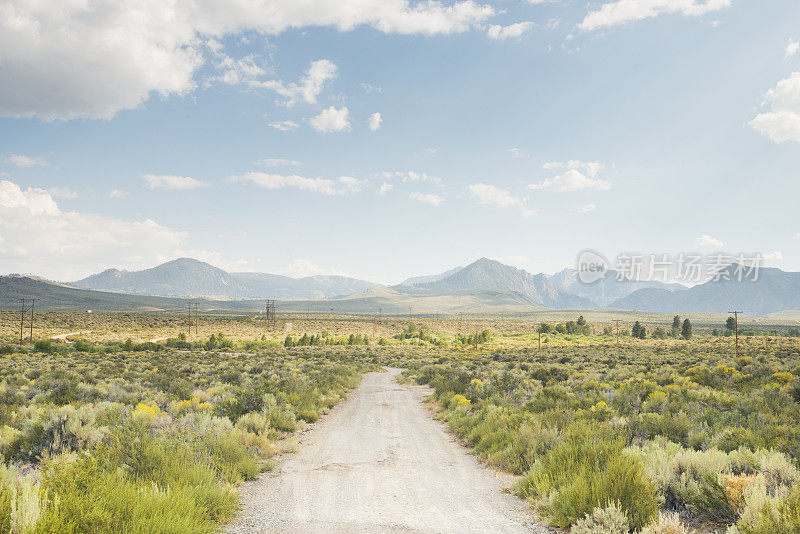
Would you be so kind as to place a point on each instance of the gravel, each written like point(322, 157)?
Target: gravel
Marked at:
point(378, 463)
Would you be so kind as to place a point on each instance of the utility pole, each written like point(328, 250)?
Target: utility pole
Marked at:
point(540, 339)
point(374, 327)
point(196, 316)
point(24, 308)
point(476, 335)
point(617, 321)
point(410, 315)
point(269, 310)
point(736, 323)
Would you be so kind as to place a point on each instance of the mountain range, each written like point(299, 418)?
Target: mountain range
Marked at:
point(771, 291)
point(608, 289)
point(480, 286)
point(186, 277)
point(485, 274)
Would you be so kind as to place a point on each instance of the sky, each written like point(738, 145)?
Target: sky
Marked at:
point(384, 139)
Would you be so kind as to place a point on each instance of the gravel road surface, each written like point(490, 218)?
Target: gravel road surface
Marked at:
point(378, 463)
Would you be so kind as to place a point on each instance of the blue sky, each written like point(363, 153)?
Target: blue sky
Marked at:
point(383, 139)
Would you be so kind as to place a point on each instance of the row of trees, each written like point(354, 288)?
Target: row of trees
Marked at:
point(324, 339)
point(679, 329)
point(570, 327)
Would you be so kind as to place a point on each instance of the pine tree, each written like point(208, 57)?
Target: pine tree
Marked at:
point(686, 332)
point(676, 325)
point(635, 331)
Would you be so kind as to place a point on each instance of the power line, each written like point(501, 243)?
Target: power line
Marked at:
point(196, 317)
point(24, 308)
point(736, 325)
point(269, 311)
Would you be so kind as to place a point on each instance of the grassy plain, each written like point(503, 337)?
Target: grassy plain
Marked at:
point(654, 435)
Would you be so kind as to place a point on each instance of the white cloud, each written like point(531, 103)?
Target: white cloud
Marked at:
point(326, 186)
point(512, 30)
point(25, 161)
point(331, 120)
point(572, 180)
point(38, 237)
point(489, 194)
point(791, 49)
point(278, 162)
point(427, 198)
point(706, 241)
point(284, 126)
point(351, 184)
point(588, 208)
point(118, 193)
point(782, 121)
point(60, 192)
point(385, 188)
point(517, 153)
point(777, 255)
point(93, 59)
point(310, 85)
point(529, 212)
point(625, 11)
point(590, 168)
point(375, 121)
point(237, 70)
point(412, 176)
point(169, 181)
point(369, 88)
point(797, 235)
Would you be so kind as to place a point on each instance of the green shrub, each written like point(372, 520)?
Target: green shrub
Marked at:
point(43, 345)
point(669, 523)
point(608, 520)
point(586, 470)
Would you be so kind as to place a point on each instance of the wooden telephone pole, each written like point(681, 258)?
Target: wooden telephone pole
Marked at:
point(193, 306)
point(269, 310)
point(736, 326)
point(26, 306)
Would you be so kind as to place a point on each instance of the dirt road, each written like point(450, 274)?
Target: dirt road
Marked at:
point(63, 337)
point(378, 463)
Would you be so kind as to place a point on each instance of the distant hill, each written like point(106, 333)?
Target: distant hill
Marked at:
point(186, 277)
point(380, 299)
point(608, 289)
point(416, 280)
point(482, 286)
point(59, 297)
point(485, 274)
point(388, 301)
point(773, 291)
point(181, 277)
